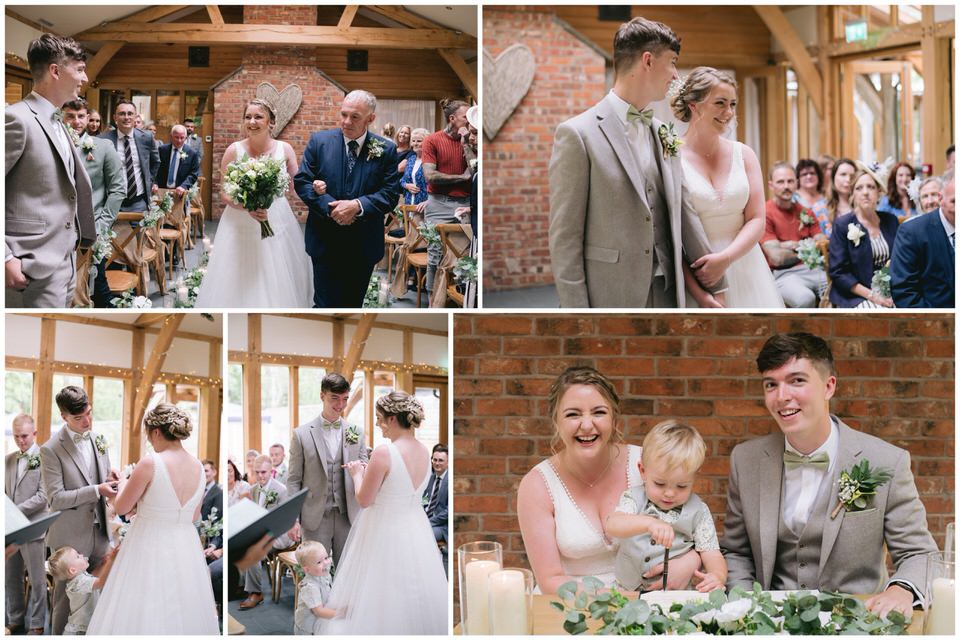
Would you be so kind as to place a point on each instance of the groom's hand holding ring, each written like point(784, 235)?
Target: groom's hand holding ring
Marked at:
point(107, 489)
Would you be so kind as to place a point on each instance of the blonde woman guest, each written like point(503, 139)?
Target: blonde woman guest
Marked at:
point(861, 244)
point(563, 502)
point(413, 183)
point(404, 147)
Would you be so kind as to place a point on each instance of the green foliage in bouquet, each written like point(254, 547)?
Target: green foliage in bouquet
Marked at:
point(743, 612)
point(255, 183)
point(809, 254)
point(880, 284)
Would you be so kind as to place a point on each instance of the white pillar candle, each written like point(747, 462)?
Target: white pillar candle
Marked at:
point(475, 579)
point(508, 603)
point(941, 616)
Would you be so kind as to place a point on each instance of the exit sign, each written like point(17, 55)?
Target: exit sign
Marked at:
point(856, 31)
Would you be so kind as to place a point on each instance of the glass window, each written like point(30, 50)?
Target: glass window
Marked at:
point(108, 415)
point(383, 383)
point(143, 101)
point(60, 381)
point(188, 399)
point(195, 103)
point(233, 408)
point(168, 113)
point(909, 13)
point(17, 399)
point(274, 406)
point(429, 431)
point(309, 405)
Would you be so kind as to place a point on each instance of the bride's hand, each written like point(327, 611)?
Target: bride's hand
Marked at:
point(319, 187)
point(710, 268)
point(260, 215)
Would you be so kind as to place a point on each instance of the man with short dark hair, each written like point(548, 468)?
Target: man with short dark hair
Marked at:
point(193, 139)
point(277, 454)
point(269, 494)
point(799, 285)
point(138, 155)
point(435, 498)
point(102, 164)
point(318, 451)
point(49, 205)
point(78, 481)
point(800, 537)
point(621, 224)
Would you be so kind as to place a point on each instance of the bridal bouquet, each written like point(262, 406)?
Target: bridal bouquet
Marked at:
point(809, 254)
point(255, 183)
point(880, 283)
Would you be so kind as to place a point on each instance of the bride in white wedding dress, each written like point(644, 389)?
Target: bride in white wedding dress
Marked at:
point(391, 579)
point(159, 584)
point(245, 270)
point(725, 186)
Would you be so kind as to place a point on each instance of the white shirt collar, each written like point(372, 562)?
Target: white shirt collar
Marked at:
point(360, 140)
point(621, 106)
point(47, 108)
point(76, 433)
point(949, 228)
point(830, 446)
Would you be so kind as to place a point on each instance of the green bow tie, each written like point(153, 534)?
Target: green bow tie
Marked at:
point(21, 456)
point(793, 460)
point(330, 425)
point(79, 437)
point(645, 117)
point(58, 115)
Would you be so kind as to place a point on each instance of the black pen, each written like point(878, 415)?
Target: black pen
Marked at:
point(666, 564)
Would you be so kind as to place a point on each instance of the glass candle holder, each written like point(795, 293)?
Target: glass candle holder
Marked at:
point(941, 594)
point(476, 561)
point(510, 594)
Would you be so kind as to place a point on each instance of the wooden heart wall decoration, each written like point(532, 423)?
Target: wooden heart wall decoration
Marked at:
point(506, 80)
point(285, 103)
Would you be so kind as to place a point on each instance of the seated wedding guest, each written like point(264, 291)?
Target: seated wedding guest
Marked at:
point(24, 488)
point(950, 156)
point(311, 616)
point(786, 527)
point(93, 123)
point(563, 502)
point(237, 487)
point(413, 183)
point(922, 269)
point(138, 122)
point(151, 126)
point(798, 284)
point(212, 499)
point(404, 147)
point(435, 497)
point(841, 188)
point(277, 454)
point(861, 246)
point(931, 192)
point(389, 131)
point(826, 161)
point(68, 565)
point(810, 192)
point(662, 512)
point(248, 472)
point(897, 200)
point(267, 493)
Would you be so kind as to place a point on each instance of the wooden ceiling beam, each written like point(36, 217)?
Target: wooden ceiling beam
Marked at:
point(27, 21)
point(155, 13)
point(215, 16)
point(346, 18)
point(357, 344)
point(313, 36)
point(462, 69)
point(398, 14)
point(152, 370)
point(785, 34)
point(147, 319)
point(336, 318)
point(113, 324)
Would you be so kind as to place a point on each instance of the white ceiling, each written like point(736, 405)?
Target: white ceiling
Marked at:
point(71, 19)
point(192, 322)
point(422, 320)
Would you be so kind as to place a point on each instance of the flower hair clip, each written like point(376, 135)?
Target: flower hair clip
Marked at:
point(677, 88)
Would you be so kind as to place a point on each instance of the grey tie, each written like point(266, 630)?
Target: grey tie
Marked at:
point(128, 163)
point(352, 147)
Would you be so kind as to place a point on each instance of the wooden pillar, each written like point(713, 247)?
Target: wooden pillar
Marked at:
point(251, 385)
point(829, 123)
point(405, 378)
point(803, 122)
point(88, 386)
point(210, 408)
point(43, 381)
point(130, 451)
point(337, 345)
point(294, 397)
point(938, 87)
point(368, 418)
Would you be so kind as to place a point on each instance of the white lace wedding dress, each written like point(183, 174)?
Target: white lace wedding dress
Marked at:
point(159, 583)
point(749, 279)
point(391, 579)
point(247, 271)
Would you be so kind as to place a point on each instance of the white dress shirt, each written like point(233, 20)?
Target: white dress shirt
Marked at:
point(948, 227)
point(84, 447)
point(136, 161)
point(802, 484)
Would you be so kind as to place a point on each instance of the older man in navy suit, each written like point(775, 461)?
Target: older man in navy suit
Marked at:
point(348, 179)
point(922, 265)
point(179, 163)
point(138, 155)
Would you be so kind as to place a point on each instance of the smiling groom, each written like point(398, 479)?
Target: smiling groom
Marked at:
point(783, 528)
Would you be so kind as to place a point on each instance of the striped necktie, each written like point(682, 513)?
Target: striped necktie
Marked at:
point(128, 163)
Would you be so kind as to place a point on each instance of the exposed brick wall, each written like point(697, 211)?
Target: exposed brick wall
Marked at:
point(569, 79)
point(896, 377)
point(280, 66)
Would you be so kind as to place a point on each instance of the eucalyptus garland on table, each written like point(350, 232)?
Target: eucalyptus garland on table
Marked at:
point(743, 612)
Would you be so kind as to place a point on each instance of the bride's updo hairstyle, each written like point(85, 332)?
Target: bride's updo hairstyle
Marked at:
point(266, 106)
point(589, 376)
point(402, 405)
point(695, 88)
point(172, 421)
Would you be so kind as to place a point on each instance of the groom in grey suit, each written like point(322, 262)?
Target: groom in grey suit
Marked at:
point(49, 206)
point(621, 226)
point(780, 529)
point(75, 467)
point(318, 451)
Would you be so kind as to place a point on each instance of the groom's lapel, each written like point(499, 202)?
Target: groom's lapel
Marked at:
point(666, 168)
point(848, 454)
point(316, 432)
point(66, 440)
point(612, 129)
point(767, 502)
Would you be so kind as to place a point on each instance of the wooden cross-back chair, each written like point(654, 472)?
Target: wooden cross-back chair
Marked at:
point(174, 229)
point(198, 212)
point(456, 241)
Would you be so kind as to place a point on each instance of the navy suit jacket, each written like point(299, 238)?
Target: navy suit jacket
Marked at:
point(439, 518)
point(851, 264)
point(146, 150)
point(374, 182)
point(923, 264)
point(187, 172)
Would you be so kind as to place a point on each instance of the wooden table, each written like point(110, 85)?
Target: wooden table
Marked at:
point(547, 621)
